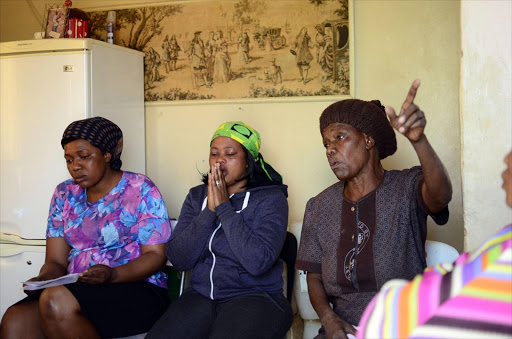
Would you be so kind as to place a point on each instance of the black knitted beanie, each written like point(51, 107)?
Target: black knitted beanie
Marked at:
point(368, 117)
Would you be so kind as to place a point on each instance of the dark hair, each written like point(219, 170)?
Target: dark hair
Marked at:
point(254, 173)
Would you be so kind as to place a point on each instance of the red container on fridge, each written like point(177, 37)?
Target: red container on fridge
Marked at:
point(78, 24)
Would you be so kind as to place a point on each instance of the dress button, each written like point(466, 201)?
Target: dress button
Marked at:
point(352, 237)
point(352, 208)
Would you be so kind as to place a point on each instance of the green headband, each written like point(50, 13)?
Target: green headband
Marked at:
point(244, 134)
point(248, 137)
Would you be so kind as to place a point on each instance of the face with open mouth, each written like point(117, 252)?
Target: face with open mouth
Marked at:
point(345, 149)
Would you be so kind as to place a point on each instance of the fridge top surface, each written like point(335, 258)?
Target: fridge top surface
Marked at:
point(55, 45)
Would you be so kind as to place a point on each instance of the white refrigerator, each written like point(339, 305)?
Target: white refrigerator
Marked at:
point(45, 85)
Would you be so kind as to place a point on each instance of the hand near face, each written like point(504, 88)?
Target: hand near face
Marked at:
point(411, 122)
point(97, 274)
point(217, 188)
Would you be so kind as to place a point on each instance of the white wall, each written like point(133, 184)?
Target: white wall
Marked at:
point(486, 115)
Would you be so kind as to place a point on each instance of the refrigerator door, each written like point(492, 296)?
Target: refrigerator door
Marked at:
point(18, 263)
point(39, 97)
point(117, 92)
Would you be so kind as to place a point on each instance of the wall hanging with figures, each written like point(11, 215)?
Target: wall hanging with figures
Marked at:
point(238, 49)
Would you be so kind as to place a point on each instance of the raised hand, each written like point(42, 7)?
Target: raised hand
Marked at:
point(217, 188)
point(411, 122)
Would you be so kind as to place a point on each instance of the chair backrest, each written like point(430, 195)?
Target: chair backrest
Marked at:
point(306, 310)
point(289, 256)
point(439, 252)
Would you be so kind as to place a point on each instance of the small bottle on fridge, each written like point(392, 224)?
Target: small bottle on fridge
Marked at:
point(111, 27)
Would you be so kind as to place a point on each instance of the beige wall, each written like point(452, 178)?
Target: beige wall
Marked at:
point(487, 114)
point(395, 42)
point(19, 19)
point(389, 55)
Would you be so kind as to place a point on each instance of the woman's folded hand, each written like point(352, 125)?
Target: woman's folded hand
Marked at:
point(97, 274)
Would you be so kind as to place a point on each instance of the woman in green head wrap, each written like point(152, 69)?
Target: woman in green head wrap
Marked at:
point(230, 232)
point(258, 171)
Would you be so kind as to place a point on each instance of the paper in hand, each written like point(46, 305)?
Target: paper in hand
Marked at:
point(37, 285)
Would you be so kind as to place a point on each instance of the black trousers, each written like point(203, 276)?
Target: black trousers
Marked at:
point(256, 315)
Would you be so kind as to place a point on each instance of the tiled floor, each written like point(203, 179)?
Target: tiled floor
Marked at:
point(297, 328)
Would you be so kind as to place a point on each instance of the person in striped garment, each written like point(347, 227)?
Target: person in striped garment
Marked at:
point(471, 298)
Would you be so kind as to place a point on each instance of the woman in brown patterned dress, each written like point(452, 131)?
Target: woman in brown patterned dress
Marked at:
point(371, 226)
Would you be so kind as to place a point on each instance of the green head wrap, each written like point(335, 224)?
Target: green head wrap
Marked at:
point(244, 134)
point(249, 138)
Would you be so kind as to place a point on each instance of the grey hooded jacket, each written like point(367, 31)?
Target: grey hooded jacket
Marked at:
point(234, 250)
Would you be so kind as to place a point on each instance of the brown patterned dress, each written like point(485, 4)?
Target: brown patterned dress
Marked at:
point(389, 242)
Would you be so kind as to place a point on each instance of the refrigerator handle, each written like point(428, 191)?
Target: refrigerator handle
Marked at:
point(7, 250)
point(7, 238)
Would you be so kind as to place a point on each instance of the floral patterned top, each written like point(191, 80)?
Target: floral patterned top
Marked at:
point(110, 231)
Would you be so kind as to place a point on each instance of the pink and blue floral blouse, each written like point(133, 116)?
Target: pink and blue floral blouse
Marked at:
point(110, 230)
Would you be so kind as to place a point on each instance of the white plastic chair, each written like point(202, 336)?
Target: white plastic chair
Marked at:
point(439, 252)
point(306, 311)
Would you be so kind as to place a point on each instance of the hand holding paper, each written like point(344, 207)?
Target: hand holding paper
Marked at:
point(37, 285)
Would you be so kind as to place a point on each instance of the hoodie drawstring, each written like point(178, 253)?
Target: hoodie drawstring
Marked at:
point(244, 205)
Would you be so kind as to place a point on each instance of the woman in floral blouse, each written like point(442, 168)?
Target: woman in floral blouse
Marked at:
point(110, 227)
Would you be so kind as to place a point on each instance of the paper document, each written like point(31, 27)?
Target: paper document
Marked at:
point(37, 285)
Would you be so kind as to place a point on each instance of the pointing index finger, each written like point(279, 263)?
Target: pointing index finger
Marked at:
point(411, 95)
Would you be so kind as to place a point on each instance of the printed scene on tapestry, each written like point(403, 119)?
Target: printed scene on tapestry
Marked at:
point(237, 49)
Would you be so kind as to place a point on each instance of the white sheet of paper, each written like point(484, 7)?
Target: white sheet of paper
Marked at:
point(37, 285)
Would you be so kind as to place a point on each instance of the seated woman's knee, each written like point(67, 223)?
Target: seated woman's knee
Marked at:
point(57, 302)
point(18, 319)
point(11, 318)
